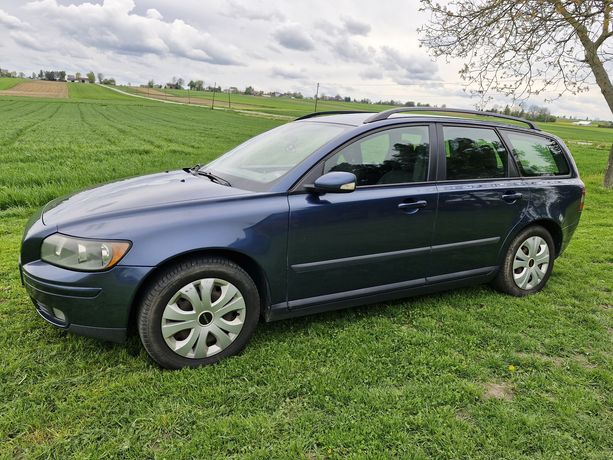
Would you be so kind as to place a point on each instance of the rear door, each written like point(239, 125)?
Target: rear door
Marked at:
point(481, 199)
point(376, 237)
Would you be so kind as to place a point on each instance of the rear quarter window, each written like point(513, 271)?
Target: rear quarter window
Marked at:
point(537, 155)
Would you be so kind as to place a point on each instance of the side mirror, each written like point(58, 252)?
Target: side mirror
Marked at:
point(334, 182)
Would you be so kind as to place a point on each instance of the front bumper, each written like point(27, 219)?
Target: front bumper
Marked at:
point(95, 304)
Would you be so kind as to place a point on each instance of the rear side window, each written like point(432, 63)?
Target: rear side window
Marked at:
point(474, 153)
point(538, 156)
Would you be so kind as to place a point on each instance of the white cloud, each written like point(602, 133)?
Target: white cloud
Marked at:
point(407, 68)
point(11, 22)
point(26, 40)
point(357, 48)
point(111, 26)
point(288, 73)
point(350, 50)
point(152, 13)
point(372, 73)
point(294, 37)
point(238, 11)
point(355, 27)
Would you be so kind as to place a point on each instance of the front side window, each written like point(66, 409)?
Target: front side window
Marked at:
point(474, 153)
point(257, 163)
point(394, 156)
point(537, 155)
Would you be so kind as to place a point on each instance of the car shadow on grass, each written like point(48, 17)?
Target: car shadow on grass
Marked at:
point(399, 311)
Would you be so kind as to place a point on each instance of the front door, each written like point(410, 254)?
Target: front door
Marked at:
point(481, 199)
point(377, 237)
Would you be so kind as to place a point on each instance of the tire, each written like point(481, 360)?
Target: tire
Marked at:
point(524, 273)
point(179, 327)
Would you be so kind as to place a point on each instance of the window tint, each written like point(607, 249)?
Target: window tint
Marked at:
point(538, 156)
point(474, 153)
point(394, 156)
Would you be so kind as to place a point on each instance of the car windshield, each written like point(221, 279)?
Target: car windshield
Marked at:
point(264, 159)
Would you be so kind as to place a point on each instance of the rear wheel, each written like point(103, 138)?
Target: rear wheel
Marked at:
point(527, 264)
point(198, 312)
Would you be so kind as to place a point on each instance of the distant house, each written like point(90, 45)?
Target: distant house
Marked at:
point(73, 79)
point(582, 123)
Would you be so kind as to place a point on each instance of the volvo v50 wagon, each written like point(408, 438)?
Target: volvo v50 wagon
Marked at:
point(332, 210)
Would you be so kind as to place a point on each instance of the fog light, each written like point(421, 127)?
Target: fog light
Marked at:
point(59, 314)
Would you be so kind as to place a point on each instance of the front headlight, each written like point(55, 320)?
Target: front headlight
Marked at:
point(82, 254)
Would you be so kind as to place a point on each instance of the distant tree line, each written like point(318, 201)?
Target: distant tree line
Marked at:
point(51, 75)
point(58, 75)
point(4, 73)
point(533, 113)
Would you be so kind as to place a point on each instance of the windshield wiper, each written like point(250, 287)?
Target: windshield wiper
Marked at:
point(208, 174)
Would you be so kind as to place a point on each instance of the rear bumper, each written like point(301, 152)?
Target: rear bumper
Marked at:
point(92, 304)
point(567, 235)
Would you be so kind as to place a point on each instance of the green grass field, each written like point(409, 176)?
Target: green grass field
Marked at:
point(7, 83)
point(273, 105)
point(86, 91)
point(427, 377)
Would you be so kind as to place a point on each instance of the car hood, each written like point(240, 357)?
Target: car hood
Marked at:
point(136, 193)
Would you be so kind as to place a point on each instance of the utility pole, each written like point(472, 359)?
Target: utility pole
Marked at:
point(316, 96)
point(213, 101)
point(189, 101)
point(229, 102)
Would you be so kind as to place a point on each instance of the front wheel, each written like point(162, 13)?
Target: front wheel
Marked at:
point(527, 264)
point(198, 312)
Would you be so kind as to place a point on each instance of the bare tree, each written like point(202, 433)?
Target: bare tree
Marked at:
point(608, 175)
point(524, 47)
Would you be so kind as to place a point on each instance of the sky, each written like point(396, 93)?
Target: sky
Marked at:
point(356, 48)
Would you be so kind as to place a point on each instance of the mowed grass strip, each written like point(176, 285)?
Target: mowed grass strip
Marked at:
point(427, 377)
point(90, 91)
point(7, 83)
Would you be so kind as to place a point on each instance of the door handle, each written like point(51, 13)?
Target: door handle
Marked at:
point(412, 207)
point(511, 197)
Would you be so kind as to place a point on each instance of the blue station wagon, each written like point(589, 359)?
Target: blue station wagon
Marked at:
point(330, 211)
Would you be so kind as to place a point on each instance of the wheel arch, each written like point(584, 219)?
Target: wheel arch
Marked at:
point(253, 269)
point(554, 229)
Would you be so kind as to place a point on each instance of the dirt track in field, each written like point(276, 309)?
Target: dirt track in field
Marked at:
point(53, 89)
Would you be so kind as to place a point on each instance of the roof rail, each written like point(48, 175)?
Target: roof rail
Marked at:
point(329, 112)
point(386, 114)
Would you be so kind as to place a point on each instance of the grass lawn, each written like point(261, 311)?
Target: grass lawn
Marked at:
point(88, 91)
point(468, 373)
point(7, 83)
